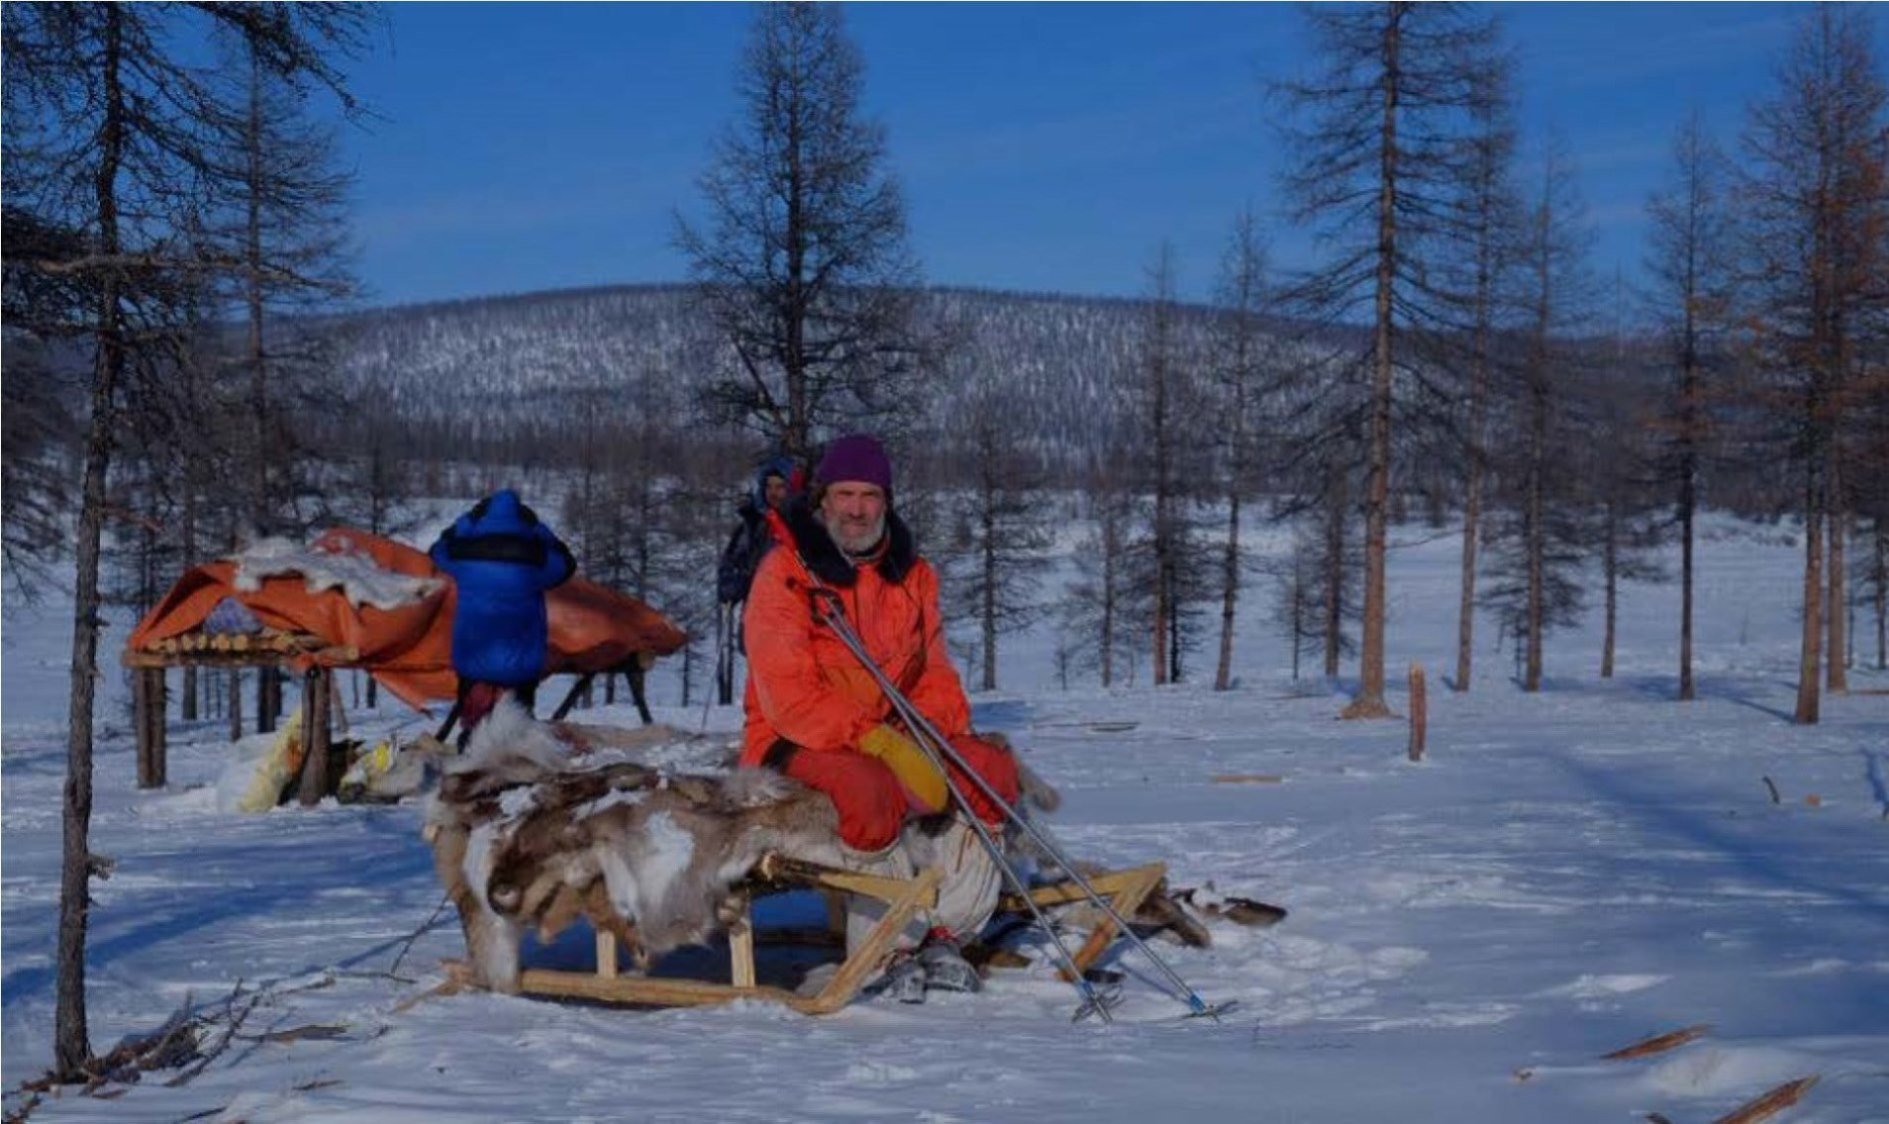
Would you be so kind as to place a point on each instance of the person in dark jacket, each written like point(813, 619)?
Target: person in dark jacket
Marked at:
point(503, 560)
point(775, 481)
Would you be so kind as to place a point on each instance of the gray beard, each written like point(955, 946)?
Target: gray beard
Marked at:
point(872, 543)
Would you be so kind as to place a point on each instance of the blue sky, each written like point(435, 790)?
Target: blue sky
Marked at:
point(1048, 147)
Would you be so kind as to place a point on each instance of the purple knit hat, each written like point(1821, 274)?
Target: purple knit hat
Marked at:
point(855, 457)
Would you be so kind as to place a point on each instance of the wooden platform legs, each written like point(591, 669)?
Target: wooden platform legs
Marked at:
point(315, 735)
point(147, 706)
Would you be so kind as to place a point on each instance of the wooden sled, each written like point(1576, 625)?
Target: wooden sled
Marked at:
point(904, 897)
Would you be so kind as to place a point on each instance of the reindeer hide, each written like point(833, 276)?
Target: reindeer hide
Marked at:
point(525, 834)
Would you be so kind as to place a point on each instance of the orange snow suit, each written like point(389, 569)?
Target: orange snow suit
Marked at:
point(809, 701)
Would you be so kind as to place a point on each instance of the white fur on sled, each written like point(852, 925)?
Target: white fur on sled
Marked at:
point(525, 835)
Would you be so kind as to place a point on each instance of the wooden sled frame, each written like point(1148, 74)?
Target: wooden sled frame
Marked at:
point(1126, 890)
point(903, 897)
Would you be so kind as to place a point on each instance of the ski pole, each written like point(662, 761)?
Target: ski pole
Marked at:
point(1092, 1000)
point(836, 620)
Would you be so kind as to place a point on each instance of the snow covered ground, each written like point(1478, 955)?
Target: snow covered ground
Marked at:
point(1567, 873)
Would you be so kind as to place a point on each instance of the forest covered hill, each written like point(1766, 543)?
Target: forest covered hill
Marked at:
point(495, 362)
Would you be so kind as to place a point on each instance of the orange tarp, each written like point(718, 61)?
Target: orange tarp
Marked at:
point(409, 648)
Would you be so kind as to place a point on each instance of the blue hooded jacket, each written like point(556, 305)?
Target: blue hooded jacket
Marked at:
point(503, 560)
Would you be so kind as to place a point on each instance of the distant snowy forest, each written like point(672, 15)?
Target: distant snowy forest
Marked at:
point(589, 402)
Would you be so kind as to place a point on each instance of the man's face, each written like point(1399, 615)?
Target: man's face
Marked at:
point(774, 491)
point(854, 515)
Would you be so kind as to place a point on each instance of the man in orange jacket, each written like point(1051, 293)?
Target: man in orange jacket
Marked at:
point(817, 715)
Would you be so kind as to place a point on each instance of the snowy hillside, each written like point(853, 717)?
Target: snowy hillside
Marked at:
point(505, 360)
point(1567, 873)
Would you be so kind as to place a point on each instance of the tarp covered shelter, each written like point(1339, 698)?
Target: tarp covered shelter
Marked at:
point(407, 647)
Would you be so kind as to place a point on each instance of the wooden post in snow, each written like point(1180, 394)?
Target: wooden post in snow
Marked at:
point(1419, 712)
point(314, 736)
point(141, 723)
point(236, 704)
point(147, 695)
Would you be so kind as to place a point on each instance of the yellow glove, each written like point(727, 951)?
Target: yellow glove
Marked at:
point(921, 778)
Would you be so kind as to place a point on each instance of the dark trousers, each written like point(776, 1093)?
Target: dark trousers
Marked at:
point(477, 697)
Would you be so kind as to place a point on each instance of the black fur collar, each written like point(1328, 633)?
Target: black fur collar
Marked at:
point(830, 564)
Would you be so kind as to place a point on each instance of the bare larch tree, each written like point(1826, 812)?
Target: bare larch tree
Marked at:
point(1488, 252)
point(1379, 165)
point(122, 132)
point(800, 259)
point(1001, 529)
point(1240, 352)
point(1688, 266)
point(1813, 199)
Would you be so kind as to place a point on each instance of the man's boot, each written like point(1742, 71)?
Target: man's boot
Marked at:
point(944, 965)
point(905, 979)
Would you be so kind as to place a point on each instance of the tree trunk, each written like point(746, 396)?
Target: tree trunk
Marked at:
point(187, 703)
point(989, 607)
point(1161, 607)
point(1298, 618)
point(1836, 662)
point(1472, 526)
point(1882, 594)
point(1111, 549)
point(799, 429)
point(1688, 504)
point(1812, 645)
point(71, 1039)
point(1335, 512)
point(252, 243)
point(1174, 622)
point(1369, 702)
point(1610, 569)
point(1486, 251)
point(1536, 536)
point(1230, 592)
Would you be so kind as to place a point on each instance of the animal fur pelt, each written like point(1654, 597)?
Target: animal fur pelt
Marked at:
point(525, 834)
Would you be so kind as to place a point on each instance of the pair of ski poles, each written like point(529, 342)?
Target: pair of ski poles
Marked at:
point(938, 750)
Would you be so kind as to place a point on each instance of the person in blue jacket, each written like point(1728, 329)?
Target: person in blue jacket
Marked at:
point(503, 559)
